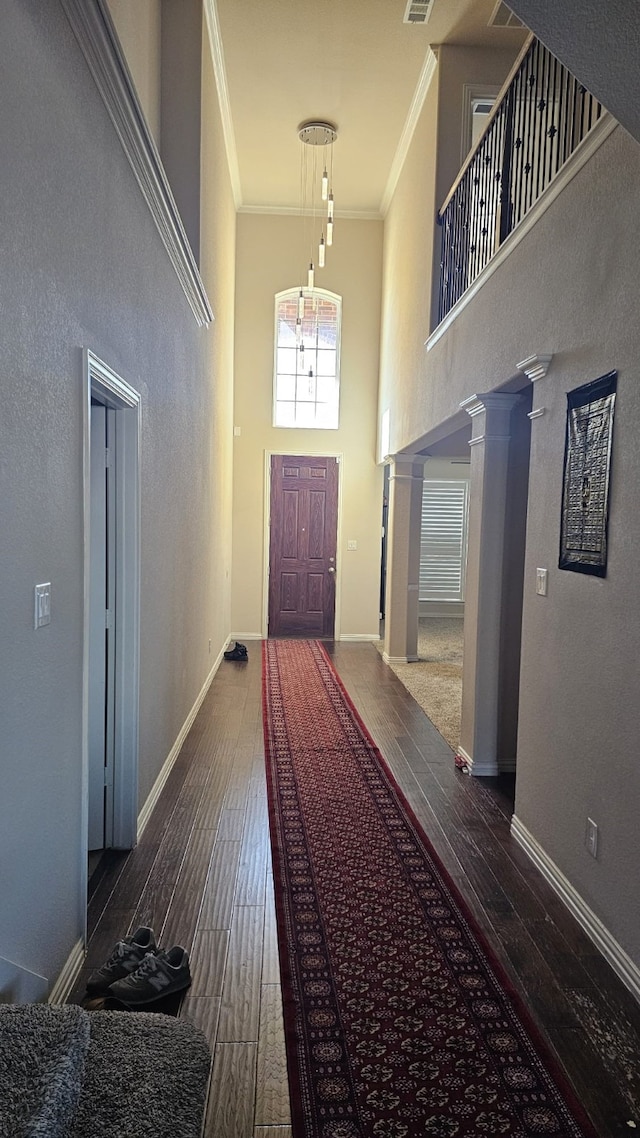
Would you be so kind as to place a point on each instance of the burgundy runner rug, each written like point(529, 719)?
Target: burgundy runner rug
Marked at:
point(399, 1021)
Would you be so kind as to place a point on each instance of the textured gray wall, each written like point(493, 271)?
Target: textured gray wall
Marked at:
point(571, 288)
point(81, 264)
point(599, 43)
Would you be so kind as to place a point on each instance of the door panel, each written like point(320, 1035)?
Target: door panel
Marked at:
point(97, 634)
point(302, 550)
point(101, 647)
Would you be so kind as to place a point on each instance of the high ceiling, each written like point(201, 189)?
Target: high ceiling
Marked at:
point(354, 63)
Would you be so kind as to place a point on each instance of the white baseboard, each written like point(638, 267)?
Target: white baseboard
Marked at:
point(486, 769)
point(397, 659)
point(476, 767)
point(156, 789)
point(63, 986)
point(614, 954)
point(20, 986)
point(359, 637)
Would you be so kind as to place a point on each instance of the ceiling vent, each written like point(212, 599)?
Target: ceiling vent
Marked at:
point(417, 11)
point(503, 17)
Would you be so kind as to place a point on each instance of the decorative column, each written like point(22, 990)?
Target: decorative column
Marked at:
point(403, 558)
point(484, 591)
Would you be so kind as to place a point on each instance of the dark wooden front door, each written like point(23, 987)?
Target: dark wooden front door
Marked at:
point(302, 546)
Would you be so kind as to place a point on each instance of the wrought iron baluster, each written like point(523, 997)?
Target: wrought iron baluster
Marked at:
point(552, 131)
point(518, 143)
point(540, 105)
point(528, 78)
point(566, 106)
point(543, 116)
point(495, 177)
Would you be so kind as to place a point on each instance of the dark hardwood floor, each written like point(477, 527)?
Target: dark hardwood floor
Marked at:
point(201, 877)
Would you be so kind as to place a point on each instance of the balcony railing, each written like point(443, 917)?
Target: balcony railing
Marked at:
point(542, 116)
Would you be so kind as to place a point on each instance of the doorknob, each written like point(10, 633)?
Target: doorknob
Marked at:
point(331, 569)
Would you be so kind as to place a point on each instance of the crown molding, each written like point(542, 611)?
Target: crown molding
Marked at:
point(96, 35)
point(424, 82)
point(293, 211)
point(220, 73)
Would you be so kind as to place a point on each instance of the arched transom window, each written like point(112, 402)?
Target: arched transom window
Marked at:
point(307, 359)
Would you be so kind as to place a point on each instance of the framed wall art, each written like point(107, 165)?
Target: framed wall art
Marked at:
point(587, 464)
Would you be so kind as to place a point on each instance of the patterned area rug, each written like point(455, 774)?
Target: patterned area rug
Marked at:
point(398, 1020)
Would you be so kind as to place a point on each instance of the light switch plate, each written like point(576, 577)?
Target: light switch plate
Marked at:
point(42, 605)
point(541, 582)
point(351, 544)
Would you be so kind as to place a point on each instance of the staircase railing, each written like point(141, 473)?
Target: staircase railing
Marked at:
point(541, 117)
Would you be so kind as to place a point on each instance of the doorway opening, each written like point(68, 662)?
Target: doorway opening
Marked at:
point(111, 622)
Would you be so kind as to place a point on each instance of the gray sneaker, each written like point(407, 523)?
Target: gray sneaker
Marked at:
point(125, 958)
point(157, 976)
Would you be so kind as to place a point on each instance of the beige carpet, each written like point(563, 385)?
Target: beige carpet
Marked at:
point(435, 680)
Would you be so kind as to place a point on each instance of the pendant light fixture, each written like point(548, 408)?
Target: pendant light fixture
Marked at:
point(316, 208)
point(316, 192)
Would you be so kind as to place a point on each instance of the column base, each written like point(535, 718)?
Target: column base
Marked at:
point(468, 765)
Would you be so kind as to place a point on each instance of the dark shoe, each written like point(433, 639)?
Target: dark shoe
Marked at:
point(237, 653)
point(127, 955)
point(154, 979)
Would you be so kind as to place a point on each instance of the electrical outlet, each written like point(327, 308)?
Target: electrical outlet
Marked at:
point(591, 840)
point(541, 582)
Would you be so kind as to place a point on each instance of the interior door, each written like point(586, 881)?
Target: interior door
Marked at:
point(302, 545)
point(101, 648)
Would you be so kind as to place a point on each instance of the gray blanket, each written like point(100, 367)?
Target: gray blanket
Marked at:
point(68, 1073)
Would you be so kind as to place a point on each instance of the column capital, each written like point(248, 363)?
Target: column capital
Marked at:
point(407, 465)
point(535, 367)
point(491, 401)
point(491, 416)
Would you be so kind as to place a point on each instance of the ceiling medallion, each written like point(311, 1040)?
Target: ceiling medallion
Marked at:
point(315, 133)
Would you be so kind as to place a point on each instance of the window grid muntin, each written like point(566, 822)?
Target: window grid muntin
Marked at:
point(294, 392)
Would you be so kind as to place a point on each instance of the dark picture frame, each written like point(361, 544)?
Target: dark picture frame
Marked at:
point(585, 483)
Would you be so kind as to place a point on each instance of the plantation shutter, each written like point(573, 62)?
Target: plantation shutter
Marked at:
point(443, 540)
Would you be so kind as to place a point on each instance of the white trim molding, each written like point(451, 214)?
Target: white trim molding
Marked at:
point(614, 954)
point(156, 789)
point(391, 660)
point(424, 82)
point(63, 986)
point(220, 73)
point(535, 367)
point(295, 211)
point(96, 35)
